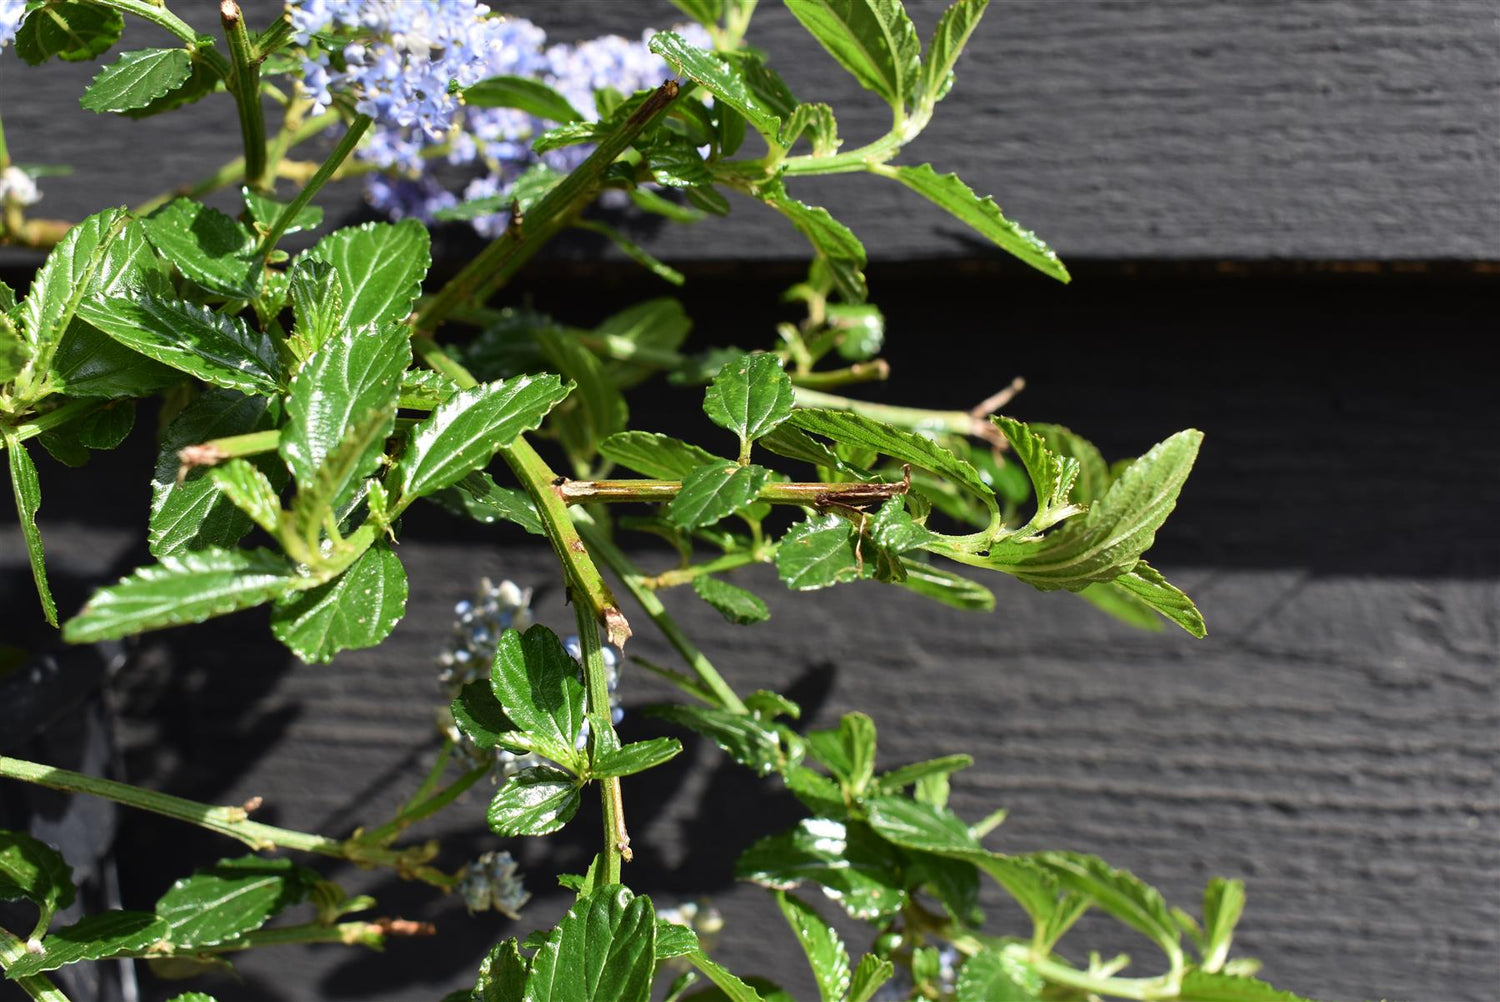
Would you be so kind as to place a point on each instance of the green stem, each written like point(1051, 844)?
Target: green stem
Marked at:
point(634, 583)
point(596, 684)
point(422, 806)
point(494, 265)
point(244, 83)
point(38, 986)
point(728, 562)
point(4, 150)
point(1141, 989)
point(54, 418)
point(231, 821)
point(541, 484)
point(346, 146)
point(874, 371)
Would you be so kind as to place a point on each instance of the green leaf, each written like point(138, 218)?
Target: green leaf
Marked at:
point(1203, 986)
point(265, 211)
point(317, 306)
point(355, 374)
point(638, 756)
point(705, 12)
point(899, 779)
point(750, 396)
point(873, 39)
point(952, 195)
point(993, 975)
point(871, 973)
point(914, 825)
point(13, 352)
point(478, 714)
point(232, 897)
point(634, 251)
point(27, 490)
point(468, 428)
point(531, 96)
point(1093, 477)
point(247, 487)
point(36, 872)
point(183, 588)
point(734, 603)
point(654, 455)
point(715, 490)
point(728, 987)
point(746, 740)
point(93, 937)
point(836, 244)
point(1145, 583)
point(596, 409)
point(207, 246)
point(536, 682)
point(1052, 476)
point(194, 513)
point(72, 31)
point(784, 440)
point(658, 324)
point(196, 997)
point(847, 750)
point(825, 951)
point(90, 363)
point(217, 348)
point(72, 270)
point(201, 82)
point(1117, 892)
point(535, 801)
point(603, 950)
point(357, 609)
point(848, 428)
point(716, 76)
point(477, 496)
point(948, 40)
point(1108, 540)
point(815, 121)
point(851, 865)
point(502, 975)
point(380, 268)
point(1223, 903)
point(947, 587)
point(817, 553)
point(136, 79)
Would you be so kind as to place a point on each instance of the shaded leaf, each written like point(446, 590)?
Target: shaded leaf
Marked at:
point(899, 779)
point(746, 740)
point(72, 31)
point(217, 348)
point(183, 588)
point(535, 801)
point(836, 244)
point(207, 246)
point(93, 937)
point(136, 79)
point(734, 603)
point(596, 409)
point(357, 609)
point(194, 513)
point(478, 714)
point(477, 496)
point(848, 751)
point(234, 896)
point(26, 488)
point(817, 553)
point(531, 96)
point(947, 587)
point(36, 872)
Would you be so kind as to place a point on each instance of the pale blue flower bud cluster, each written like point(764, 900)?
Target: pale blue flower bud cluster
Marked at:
point(493, 881)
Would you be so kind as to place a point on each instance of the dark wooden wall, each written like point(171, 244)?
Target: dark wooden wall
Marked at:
point(1334, 740)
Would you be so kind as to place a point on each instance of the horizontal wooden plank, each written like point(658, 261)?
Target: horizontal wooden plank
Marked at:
point(1302, 129)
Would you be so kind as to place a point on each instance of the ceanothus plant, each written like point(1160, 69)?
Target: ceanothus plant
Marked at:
point(308, 401)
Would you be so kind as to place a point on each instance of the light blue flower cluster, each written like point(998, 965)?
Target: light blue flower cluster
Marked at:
point(11, 14)
point(493, 881)
point(404, 62)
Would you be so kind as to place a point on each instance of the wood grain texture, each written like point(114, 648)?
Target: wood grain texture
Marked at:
point(1286, 129)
